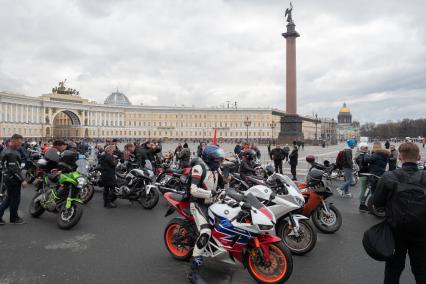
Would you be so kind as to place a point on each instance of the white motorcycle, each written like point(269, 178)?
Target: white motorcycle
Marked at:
point(241, 226)
point(284, 199)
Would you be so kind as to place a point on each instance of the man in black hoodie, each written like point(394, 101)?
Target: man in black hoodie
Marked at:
point(400, 187)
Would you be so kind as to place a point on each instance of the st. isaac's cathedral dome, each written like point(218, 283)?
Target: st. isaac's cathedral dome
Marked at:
point(117, 98)
point(345, 115)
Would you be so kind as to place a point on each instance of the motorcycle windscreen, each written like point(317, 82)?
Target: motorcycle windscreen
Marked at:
point(82, 166)
point(259, 206)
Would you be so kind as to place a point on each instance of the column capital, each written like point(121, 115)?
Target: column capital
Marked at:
point(291, 31)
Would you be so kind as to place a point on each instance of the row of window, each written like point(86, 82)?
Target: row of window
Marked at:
point(181, 124)
point(121, 133)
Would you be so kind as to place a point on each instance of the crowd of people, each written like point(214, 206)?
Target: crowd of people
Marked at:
point(207, 178)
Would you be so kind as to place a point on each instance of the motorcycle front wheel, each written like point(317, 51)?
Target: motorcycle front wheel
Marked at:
point(177, 239)
point(327, 223)
point(298, 245)
point(86, 193)
point(276, 269)
point(36, 209)
point(150, 200)
point(69, 217)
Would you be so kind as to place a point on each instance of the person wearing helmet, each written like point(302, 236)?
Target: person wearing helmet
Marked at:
point(206, 178)
point(347, 167)
point(247, 167)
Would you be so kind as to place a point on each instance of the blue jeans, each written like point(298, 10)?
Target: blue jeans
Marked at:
point(348, 180)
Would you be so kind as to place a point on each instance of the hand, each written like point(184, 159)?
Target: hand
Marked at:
point(24, 184)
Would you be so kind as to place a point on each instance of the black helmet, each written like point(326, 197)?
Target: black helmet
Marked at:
point(250, 154)
point(69, 157)
point(269, 169)
point(212, 155)
point(310, 159)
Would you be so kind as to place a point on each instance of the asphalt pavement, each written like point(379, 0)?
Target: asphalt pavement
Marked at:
point(125, 245)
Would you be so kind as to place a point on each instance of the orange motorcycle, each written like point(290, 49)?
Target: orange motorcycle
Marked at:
point(325, 216)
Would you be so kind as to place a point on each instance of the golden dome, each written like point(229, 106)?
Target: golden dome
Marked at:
point(344, 109)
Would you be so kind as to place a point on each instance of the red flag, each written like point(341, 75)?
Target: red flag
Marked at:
point(214, 137)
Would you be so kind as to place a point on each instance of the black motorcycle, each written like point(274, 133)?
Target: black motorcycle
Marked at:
point(136, 184)
point(31, 166)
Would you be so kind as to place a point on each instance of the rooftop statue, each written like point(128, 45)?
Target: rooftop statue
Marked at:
point(65, 91)
point(288, 13)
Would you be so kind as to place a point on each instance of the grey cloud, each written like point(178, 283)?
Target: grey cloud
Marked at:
point(173, 52)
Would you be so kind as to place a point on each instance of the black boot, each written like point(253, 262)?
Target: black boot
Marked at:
point(194, 275)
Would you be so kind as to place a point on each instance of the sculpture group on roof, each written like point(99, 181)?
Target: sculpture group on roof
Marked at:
point(61, 89)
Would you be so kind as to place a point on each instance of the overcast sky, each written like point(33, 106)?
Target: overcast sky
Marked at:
point(369, 54)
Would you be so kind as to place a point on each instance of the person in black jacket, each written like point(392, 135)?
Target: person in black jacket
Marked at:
point(108, 163)
point(247, 166)
point(10, 160)
point(184, 156)
point(377, 162)
point(411, 240)
point(363, 168)
point(293, 157)
point(277, 155)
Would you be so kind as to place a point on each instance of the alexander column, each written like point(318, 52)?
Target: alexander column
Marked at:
point(291, 123)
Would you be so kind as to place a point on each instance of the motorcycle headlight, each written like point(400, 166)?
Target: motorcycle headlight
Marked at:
point(81, 181)
point(266, 227)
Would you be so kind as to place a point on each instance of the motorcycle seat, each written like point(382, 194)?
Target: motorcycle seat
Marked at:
point(177, 197)
point(255, 180)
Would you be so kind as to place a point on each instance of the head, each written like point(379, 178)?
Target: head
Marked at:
point(115, 141)
point(59, 145)
point(129, 147)
point(110, 149)
point(409, 152)
point(249, 154)
point(377, 146)
point(16, 141)
point(310, 159)
point(351, 143)
point(392, 147)
point(72, 146)
point(185, 145)
point(213, 156)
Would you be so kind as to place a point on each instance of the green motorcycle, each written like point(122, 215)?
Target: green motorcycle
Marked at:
point(60, 193)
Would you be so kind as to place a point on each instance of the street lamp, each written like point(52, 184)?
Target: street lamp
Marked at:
point(247, 123)
point(316, 127)
point(273, 124)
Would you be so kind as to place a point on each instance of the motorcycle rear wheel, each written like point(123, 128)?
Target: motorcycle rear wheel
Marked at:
point(36, 209)
point(175, 234)
point(68, 218)
point(277, 271)
point(293, 242)
point(379, 213)
point(327, 224)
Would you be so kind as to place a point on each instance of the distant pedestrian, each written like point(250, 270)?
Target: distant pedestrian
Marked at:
point(396, 191)
point(10, 160)
point(294, 157)
point(184, 156)
point(237, 149)
point(344, 160)
point(277, 155)
point(387, 145)
point(393, 158)
point(108, 163)
point(363, 169)
point(286, 150)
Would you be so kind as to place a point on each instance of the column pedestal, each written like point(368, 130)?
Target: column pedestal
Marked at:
point(291, 129)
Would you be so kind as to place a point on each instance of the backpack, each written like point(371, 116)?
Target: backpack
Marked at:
point(186, 180)
point(407, 206)
point(340, 159)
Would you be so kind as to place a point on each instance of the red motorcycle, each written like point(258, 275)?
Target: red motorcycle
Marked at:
point(241, 227)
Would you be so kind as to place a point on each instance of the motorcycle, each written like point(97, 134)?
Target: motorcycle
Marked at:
point(325, 216)
point(285, 200)
point(87, 192)
point(31, 166)
point(136, 184)
point(242, 227)
point(372, 179)
point(59, 194)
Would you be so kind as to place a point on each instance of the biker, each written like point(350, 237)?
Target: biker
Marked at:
point(205, 179)
point(53, 154)
point(377, 162)
point(247, 167)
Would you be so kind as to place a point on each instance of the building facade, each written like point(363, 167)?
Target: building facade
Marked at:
point(346, 128)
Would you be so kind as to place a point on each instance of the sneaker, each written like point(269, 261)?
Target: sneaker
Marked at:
point(339, 191)
point(17, 221)
point(2, 222)
point(363, 208)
